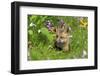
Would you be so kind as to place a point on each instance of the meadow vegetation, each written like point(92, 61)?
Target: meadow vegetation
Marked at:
point(40, 40)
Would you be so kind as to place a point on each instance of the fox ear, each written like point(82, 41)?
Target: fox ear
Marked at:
point(61, 23)
point(68, 29)
point(53, 29)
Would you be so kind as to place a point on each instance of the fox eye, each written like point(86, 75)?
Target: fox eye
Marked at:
point(61, 37)
point(56, 35)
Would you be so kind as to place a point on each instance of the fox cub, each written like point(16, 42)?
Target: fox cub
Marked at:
point(62, 33)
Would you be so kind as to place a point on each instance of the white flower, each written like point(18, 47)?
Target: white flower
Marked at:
point(84, 53)
point(39, 31)
point(32, 24)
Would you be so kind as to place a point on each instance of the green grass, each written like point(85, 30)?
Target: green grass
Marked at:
point(42, 40)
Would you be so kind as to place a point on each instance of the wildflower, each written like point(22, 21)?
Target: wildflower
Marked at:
point(84, 54)
point(32, 24)
point(83, 23)
point(39, 31)
point(48, 24)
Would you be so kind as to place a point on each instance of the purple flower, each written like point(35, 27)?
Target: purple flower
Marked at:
point(48, 24)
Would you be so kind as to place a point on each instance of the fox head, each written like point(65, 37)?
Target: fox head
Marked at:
point(62, 32)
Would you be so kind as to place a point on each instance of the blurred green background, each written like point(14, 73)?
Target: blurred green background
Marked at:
point(40, 40)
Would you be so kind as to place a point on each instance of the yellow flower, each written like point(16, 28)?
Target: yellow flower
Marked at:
point(83, 23)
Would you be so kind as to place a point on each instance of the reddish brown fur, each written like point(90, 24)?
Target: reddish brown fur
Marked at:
point(62, 39)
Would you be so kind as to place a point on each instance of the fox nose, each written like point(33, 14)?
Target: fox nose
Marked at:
point(59, 43)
